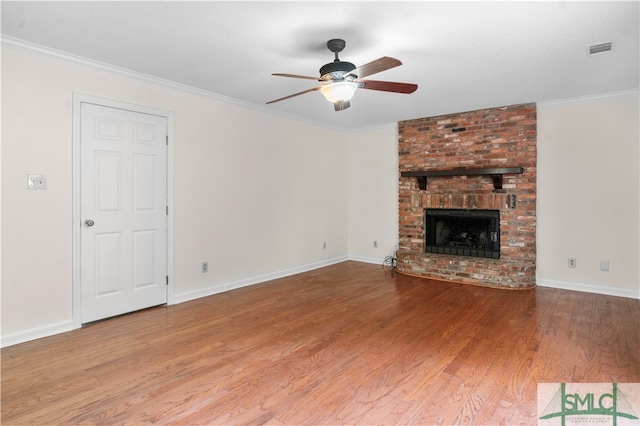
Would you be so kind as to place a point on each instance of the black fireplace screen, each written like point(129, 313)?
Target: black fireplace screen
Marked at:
point(463, 232)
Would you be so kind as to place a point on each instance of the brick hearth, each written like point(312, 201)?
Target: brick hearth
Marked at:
point(496, 137)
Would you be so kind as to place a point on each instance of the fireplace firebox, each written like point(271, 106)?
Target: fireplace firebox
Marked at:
point(463, 232)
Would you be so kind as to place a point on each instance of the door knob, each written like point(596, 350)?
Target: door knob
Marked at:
point(89, 222)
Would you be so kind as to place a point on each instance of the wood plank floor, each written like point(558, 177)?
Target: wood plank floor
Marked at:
point(351, 343)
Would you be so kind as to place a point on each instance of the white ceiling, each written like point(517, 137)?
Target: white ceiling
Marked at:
point(463, 55)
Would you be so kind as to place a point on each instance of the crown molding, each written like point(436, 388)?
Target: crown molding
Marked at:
point(590, 99)
point(28, 47)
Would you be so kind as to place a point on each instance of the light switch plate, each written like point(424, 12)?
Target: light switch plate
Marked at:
point(38, 182)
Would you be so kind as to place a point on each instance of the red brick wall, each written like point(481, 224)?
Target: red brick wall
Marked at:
point(495, 137)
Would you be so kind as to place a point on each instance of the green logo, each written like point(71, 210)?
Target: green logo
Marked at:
point(585, 405)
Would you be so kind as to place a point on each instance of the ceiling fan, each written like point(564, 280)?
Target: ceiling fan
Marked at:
point(340, 79)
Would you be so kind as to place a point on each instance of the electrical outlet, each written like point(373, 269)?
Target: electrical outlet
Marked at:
point(38, 182)
point(375, 244)
point(205, 267)
point(572, 262)
point(604, 265)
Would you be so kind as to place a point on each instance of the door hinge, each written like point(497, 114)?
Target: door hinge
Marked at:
point(167, 139)
point(167, 279)
point(167, 210)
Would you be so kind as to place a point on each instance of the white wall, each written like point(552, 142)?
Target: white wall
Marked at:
point(588, 175)
point(255, 194)
point(588, 194)
point(373, 194)
point(587, 202)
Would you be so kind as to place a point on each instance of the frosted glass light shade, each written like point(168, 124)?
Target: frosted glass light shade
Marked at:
point(342, 91)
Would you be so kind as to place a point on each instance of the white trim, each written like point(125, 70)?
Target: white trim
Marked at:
point(78, 99)
point(24, 46)
point(75, 210)
point(36, 333)
point(170, 216)
point(589, 99)
point(589, 288)
point(17, 44)
point(28, 47)
point(364, 259)
point(63, 327)
point(222, 287)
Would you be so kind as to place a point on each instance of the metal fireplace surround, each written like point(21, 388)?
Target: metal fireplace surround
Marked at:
point(462, 232)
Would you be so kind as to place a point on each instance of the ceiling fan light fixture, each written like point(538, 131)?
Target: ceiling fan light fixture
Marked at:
point(340, 91)
point(339, 79)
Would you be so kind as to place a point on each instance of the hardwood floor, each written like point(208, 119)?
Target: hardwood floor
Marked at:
point(351, 343)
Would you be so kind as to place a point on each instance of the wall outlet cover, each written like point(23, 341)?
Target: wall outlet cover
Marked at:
point(36, 182)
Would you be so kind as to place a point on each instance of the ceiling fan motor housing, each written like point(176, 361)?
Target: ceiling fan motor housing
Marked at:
point(336, 70)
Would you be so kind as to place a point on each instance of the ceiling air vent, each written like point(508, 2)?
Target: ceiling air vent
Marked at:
point(595, 49)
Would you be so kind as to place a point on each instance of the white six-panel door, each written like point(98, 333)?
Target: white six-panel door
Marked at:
point(123, 199)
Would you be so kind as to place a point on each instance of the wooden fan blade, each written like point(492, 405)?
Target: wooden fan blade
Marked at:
point(389, 86)
point(294, 95)
point(379, 65)
point(296, 76)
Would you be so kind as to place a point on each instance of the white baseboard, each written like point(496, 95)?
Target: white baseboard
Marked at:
point(36, 333)
point(589, 288)
point(219, 288)
point(63, 327)
point(364, 259)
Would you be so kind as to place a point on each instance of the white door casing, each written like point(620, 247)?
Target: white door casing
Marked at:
point(122, 216)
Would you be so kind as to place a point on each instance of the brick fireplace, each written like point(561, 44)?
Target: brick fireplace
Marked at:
point(475, 161)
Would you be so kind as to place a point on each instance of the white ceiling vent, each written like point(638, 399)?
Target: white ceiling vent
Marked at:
point(596, 49)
